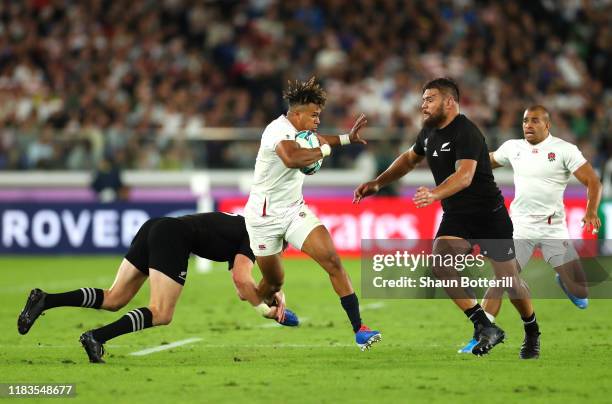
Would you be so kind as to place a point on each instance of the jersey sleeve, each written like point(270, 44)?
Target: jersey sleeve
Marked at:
point(276, 134)
point(469, 144)
point(244, 249)
point(419, 144)
point(502, 154)
point(573, 159)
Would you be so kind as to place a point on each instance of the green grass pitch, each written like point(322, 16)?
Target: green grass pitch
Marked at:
point(241, 356)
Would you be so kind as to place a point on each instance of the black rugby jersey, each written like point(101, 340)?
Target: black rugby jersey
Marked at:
point(459, 140)
point(219, 236)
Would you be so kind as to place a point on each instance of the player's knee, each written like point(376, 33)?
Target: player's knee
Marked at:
point(160, 316)
point(112, 302)
point(114, 306)
point(332, 264)
point(163, 319)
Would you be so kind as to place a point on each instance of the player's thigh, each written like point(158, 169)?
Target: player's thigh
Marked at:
point(493, 231)
point(169, 248)
point(266, 235)
point(524, 251)
point(558, 252)
point(165, 292)
point(128, 282)
point(454, 245)
point(138, 253)
point(319, 246)
point(454, 226)
point(300, 225)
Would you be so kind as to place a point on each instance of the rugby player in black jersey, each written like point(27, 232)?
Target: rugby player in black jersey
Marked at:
point(474, 210)
point(160, 251)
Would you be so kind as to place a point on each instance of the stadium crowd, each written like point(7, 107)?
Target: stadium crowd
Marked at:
point(140, 81)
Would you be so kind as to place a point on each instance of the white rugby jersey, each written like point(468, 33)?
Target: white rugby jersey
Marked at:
point(275, 187)
point(541, 173)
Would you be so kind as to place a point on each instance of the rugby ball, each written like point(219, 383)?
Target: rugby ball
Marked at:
point(309, 140)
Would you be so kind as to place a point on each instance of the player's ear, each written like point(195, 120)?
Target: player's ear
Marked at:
point(449, 101)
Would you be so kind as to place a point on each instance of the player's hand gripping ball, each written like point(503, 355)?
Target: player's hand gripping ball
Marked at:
point(308, 139)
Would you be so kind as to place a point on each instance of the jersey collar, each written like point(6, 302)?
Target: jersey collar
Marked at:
point(542, 143)
point(288, 121)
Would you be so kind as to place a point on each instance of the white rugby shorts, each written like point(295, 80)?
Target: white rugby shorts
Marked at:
point(267, 233)
point(550, 235)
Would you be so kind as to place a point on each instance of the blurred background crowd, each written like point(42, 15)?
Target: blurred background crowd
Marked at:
point(143, 84)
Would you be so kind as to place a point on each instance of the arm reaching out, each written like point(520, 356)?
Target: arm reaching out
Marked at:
point(402, 165)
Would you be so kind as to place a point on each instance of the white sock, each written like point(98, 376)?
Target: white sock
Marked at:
point(491, 317)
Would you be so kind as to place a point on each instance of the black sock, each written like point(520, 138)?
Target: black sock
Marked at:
point(477, 315)
point(135, 320)
point(84, 297)
point(350, 304)
point(531, 325)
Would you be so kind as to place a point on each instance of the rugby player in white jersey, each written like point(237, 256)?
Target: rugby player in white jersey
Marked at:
point(543, 165)
point(276, 210)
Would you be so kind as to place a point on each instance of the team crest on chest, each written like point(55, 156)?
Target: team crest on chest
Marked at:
point(551, 156)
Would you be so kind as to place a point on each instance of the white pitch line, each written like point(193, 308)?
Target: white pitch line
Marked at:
point(165, 347)
point(279, 346)
point(373, 306)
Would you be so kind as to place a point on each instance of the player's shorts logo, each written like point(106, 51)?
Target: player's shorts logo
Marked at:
point(302, 214)
point(551, 156)
point(261, 246)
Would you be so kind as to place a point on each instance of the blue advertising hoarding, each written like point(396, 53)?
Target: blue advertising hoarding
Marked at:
point(77, 228)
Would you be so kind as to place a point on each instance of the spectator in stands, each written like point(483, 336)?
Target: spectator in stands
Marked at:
point(107, 183)
point(154, 72)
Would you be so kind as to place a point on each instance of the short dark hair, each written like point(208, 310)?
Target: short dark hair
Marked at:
point(444, 85)
point(541, 108)
point(304, 93)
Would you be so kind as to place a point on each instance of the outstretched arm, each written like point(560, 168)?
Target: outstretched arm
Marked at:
point(402, 165)
point(351, 137)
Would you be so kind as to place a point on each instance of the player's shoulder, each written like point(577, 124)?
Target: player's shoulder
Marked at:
point(466, 125)
point(513, 143)
point(280, 125)
point(558, 142)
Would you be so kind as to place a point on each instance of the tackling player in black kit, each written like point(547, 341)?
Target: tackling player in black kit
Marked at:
point(160, 250)
point(474, 210)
